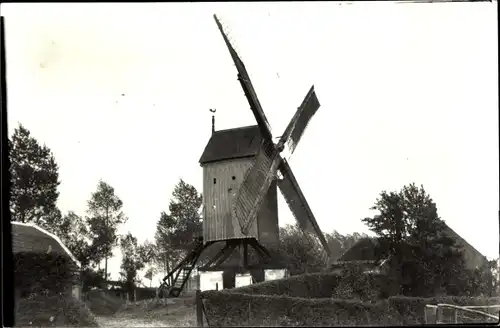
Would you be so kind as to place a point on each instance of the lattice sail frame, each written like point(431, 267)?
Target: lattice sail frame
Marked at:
point(268, 161)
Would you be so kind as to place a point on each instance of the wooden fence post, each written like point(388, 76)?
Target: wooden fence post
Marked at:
point(249, 312)
point(199, 308)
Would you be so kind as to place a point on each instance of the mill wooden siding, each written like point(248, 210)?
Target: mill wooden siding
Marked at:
point(218, 223)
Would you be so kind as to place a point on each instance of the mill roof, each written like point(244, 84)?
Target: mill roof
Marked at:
point(231, 144)
point(29, 238)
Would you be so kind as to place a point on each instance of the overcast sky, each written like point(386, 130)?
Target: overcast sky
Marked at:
point(408, 92)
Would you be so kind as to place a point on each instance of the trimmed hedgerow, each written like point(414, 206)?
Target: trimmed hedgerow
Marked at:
point(225, 308)
point(313, 285)
point(349, 284)
point(323, 299)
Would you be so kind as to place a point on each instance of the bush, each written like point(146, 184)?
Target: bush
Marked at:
point(53, 311)
point(36, 272)
point(144, 293)
point(103, 302)
point(355, 284)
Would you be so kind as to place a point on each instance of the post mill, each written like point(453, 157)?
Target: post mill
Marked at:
point(240, 182)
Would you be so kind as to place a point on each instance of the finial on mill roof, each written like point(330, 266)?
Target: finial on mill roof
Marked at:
point(213, 119)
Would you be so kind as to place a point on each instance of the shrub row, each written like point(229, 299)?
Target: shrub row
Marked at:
point(321, 299)
point(350, 284)
point(225, 308)
point(313, 285)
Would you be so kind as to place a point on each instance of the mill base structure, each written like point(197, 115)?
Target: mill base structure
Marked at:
point(175, 281)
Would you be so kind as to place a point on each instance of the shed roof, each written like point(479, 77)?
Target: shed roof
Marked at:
point(232, 143)
point(27, 237)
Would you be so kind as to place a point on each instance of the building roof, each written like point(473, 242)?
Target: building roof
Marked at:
point(232, 143)
point(364, 250)
point(27, 237)
point(472, 256)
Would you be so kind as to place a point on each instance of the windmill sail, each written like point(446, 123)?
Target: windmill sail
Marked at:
point(247, 86)
point(255, 185)
point(298, 204)
point(259, 178)
point(307, 109)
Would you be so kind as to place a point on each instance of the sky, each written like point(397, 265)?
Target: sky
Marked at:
point(408, 93)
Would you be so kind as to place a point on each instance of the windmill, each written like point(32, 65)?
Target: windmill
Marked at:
point(240, 182)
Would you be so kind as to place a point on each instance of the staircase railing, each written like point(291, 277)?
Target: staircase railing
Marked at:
point(181, 272)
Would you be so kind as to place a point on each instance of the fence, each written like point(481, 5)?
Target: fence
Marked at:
point(435, 314)
point(200, 310)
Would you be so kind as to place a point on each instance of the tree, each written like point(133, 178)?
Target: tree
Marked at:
point(166, 255)
point(427, 260)
point(175, 231)
point(133, 260)
point(302, 253)
point(105, 214)
point(147, 252)
point(34, 174)
point(74, 232)
point(185, 214)
point(150, 272)
point(339, 243)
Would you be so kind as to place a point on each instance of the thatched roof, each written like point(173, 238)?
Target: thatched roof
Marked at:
point(29, 238)
point(365, 250)
point(231, 144)
point(473, 257)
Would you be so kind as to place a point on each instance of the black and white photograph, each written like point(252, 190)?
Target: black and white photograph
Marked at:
point(222, 164)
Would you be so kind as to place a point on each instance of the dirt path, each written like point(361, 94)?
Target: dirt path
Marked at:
point(113, 322)
point(175, 314)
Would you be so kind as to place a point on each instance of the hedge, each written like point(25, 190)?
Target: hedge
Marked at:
point(350, 284)
point(313, 285)
point(321, 299)
point(225, 308)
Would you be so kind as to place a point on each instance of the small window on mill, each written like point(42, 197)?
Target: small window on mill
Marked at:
point(234, 178)
point(215, 180)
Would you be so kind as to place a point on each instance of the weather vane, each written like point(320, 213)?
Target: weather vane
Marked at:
point(213, 118)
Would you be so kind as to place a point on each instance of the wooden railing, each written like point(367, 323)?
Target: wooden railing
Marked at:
point(434, 313)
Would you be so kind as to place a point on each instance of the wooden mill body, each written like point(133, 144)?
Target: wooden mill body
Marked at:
point(225, 161)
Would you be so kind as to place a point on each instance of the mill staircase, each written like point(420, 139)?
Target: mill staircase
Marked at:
point(181, 272)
